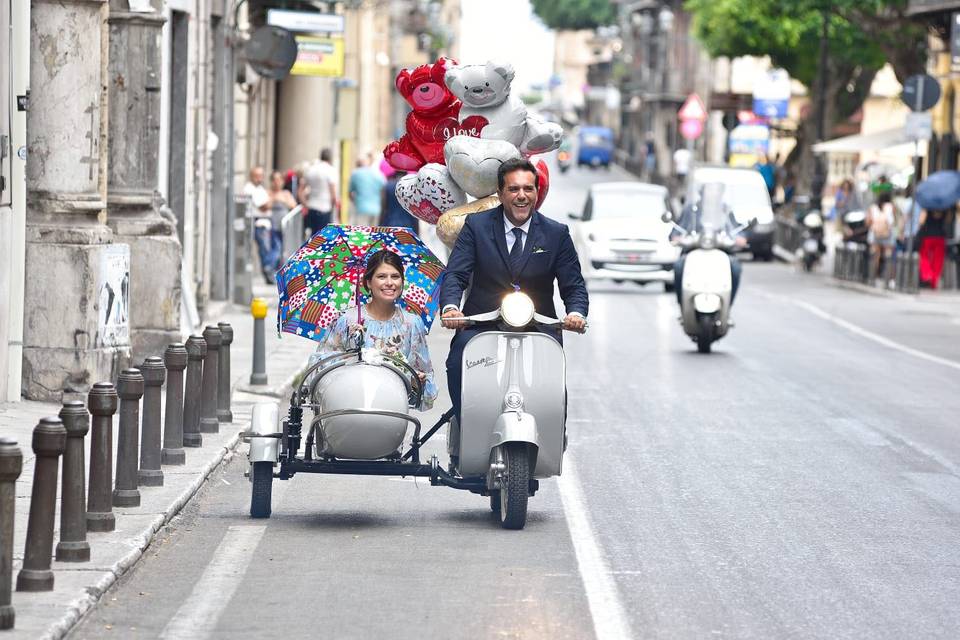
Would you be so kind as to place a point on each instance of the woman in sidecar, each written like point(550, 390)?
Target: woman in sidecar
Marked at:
point(390, 339)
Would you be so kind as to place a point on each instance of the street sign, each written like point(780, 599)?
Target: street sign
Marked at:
point(691, 129)
point(318, 57)
point(919, 126)
point(771, 94)
point(306, 21)
point(693, 109)
point(920, 92)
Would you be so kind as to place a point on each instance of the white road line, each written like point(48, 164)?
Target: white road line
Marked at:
point(197, 618)
point(869, 335)
point(609, 617)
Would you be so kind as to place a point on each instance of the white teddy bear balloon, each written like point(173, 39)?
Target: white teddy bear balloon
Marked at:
point(484, 90)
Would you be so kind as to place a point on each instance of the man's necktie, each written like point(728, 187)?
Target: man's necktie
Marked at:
point(516, 252)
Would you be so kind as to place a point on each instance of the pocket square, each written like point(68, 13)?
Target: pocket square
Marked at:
point(539, 250)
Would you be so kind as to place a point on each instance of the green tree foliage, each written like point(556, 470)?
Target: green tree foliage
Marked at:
point(862, 36)
point(563, 15)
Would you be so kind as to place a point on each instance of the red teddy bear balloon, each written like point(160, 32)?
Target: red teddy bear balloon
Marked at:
point(433, 120)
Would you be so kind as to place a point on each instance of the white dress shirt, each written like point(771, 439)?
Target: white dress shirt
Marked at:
point(508, 228)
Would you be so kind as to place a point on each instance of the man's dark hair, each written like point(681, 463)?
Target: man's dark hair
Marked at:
point(384, 256)
point(325, 155)
point(516, 164)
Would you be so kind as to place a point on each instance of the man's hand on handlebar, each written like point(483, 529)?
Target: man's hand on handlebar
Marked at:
point(574, 322)
point(451, 319)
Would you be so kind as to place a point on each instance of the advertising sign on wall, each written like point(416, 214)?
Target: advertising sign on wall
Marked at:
point(113, 296)
point(317, 56)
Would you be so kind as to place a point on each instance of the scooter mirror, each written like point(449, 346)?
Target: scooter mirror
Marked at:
point(667, 216)
point(753, 222)
point(573, 216)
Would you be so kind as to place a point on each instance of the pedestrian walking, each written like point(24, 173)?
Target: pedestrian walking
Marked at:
point(934, 228)
point(366, 187)
point(318, 193)
point(769, 172)
point(281, 202)
point(394, 215)
point(262, 229)
point(881, 224)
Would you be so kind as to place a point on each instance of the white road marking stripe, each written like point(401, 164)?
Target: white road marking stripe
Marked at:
point(869, 335)
point(197, 618)
point(609, 617)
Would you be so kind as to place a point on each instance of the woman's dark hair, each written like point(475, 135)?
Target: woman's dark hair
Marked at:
point(884, 197)
point(375, 261)
point(517, 164)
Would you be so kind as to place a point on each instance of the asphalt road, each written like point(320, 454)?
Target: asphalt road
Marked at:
point(802, 481)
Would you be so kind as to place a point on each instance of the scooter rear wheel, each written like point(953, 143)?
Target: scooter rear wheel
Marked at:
point(516, 486)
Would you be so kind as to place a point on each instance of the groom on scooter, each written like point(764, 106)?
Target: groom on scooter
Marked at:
point(512, 247)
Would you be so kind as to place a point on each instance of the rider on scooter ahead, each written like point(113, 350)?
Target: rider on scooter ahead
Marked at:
point(504, 249)
point(690, 220)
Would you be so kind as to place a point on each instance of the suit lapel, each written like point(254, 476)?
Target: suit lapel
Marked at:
point(499, 237)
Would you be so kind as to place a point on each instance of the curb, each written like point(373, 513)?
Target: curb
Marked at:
point(82, 605)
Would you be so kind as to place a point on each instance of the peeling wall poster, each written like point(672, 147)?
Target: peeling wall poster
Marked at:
point(113, 296)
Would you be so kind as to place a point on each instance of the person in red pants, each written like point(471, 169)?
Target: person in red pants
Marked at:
point(934, 228)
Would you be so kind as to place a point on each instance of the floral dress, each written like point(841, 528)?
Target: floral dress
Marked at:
point(402, 336)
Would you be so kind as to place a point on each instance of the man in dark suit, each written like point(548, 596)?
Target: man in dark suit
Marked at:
point(499, 250)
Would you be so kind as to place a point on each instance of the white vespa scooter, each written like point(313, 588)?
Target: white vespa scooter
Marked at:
point(512, 409)
point(706, 288)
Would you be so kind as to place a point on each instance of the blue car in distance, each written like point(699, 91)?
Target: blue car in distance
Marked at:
point(595, 146)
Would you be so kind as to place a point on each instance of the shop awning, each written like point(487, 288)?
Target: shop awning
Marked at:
point(876, 141)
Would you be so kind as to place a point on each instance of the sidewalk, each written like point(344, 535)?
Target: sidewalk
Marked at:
point(78, 586)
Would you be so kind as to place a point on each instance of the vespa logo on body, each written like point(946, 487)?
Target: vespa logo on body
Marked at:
point(486, 362)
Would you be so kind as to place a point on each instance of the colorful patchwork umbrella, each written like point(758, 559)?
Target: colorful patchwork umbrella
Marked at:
point(323, 277)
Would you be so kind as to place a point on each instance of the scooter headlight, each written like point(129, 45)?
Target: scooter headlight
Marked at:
point(517, 309)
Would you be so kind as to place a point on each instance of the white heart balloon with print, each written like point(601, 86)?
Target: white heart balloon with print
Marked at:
point(429, 192)
point(473, 162)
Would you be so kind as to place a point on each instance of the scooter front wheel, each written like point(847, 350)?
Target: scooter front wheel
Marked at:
point(516, 486)
point(705, 325)
point(262, 493)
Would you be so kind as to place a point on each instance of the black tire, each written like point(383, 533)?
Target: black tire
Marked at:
point(516, 490)
point(704, 333)
point(262, 493)
point(495, 501)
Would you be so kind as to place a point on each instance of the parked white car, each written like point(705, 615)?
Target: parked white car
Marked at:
point(620, 235)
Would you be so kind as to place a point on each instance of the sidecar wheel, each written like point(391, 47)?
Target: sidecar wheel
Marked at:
point(514, 493)
point(495, 501)
point(262, 493)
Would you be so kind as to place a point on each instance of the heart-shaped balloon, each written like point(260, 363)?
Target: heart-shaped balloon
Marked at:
point(544, 180)
point(429, 192)
point(473, 162)
point(452, 221)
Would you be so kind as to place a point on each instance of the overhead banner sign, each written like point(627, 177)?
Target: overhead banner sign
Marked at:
point(771, 94)
point(305, 21)
point(317, 56)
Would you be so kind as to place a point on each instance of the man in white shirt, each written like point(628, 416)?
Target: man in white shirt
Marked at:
point(262, 227)
point(318, 192)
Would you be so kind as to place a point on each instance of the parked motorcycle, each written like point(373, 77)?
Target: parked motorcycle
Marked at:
point(564, 160)
point(812, 246)
point(706, 288)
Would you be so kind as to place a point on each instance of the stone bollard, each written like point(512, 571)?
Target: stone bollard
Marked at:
point(224, 379)
point(211, 369)
point(102, 403)
point(73, 545)
point(49, 440)
point(175, 358)
point(258, 308)
point(130, 387)
point(154, 374)
point(196, 350)
point(11, 463)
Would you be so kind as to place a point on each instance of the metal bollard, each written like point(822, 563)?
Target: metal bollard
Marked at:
point(208, 394)
point(154, 374)
point(49, 440)
point(224, 414)
point(196, 350)
point(175, 358)
point(73, 545)
point(259, 310)
point(11, 463)
point(913, 274)
point(130, 387)
point(102, 403)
